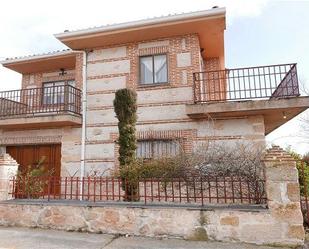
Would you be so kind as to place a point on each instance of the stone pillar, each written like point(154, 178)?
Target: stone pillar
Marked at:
point(8, 169)
point(283, 195)
point(2, 150)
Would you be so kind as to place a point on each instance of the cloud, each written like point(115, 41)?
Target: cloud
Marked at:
point(34, 22)
point(27, 27)
point(245, 8)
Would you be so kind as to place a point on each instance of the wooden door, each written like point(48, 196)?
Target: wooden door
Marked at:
point(26, 155)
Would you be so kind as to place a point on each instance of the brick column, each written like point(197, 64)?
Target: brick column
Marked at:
point(283, 195)
point(8, 169)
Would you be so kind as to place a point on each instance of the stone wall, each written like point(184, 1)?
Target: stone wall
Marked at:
point(8, 169)
point(283, 194)
point(195, 224)
point(279, 224)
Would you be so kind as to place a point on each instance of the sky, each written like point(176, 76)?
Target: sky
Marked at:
point(259, 32)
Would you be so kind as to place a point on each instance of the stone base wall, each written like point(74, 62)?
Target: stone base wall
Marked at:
point(257, 226)
point(280, 224)
point(8, 169)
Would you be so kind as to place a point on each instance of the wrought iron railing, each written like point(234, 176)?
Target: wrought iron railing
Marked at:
point(193, 190)
point(263, 82)
point(53, 99)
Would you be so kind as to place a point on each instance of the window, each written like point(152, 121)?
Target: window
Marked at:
point(153, 69)
point(148, 149)
point(54, 92)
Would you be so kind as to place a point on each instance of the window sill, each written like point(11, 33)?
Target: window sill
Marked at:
point(153, 85)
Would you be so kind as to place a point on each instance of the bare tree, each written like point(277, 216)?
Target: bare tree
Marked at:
point(304, 118)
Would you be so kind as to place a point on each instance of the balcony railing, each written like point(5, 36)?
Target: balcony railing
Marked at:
point(46, 100)
point(264, 82)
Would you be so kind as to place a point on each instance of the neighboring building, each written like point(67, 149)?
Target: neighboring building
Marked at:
point(175, 63)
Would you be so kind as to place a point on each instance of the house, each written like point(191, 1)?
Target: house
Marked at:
point(64, 109)
point(64, 112)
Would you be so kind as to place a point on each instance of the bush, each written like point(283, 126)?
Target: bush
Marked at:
point(306, 158)
point(157, 168)
point(216, 160)
point(125, 108)
point(33, 179)
point(208, 162)
point(303, 171)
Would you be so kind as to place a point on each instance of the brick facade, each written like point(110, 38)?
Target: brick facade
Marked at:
point(161, 108)
point(36, 80)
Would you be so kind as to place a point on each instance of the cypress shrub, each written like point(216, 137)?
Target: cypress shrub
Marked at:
point(125, 108)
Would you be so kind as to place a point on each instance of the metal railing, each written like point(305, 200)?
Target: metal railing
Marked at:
point(197, 191)
point(263, 82)
point(54, 99)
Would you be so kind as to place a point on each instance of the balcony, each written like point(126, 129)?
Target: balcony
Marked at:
point(265, 82)
point(40, 107)
point(271, 91)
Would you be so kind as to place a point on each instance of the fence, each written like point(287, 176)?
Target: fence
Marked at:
point(274, 81)
point(193, 190)
point(64, 98)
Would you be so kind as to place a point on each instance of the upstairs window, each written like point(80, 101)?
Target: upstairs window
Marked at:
point(153, 69)
point(54, 92)
point(148, 149)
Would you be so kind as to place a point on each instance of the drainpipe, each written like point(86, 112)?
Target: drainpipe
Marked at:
point(84, 112)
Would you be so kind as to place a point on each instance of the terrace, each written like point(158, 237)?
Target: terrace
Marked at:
point(264, 82)
point(40, 107)
point(271, 91)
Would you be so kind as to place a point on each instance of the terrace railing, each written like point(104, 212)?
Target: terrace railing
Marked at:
point(263, 82)
point(55, 99)
point(198, 191)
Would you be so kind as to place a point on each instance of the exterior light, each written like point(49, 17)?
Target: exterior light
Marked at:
point(62, 71)
point(284, 115)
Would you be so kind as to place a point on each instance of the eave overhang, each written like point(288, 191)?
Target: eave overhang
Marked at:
point(208, 24)
point(42, 63)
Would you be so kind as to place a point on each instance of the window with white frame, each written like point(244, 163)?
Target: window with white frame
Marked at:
point(54, 92)
point(148, 149)
point(153, 69)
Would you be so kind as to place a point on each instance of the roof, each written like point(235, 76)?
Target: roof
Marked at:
point(144, 22)
point(42, 62)
point(36, 56)
point(208, 24)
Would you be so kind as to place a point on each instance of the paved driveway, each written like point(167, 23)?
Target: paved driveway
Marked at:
point(21, 238)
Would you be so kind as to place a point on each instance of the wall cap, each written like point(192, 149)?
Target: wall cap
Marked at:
point(276, 153)
point(7, 160)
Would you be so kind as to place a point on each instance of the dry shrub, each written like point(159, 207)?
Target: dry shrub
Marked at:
point(33, 180)
point(217, 163)
point(238, 159)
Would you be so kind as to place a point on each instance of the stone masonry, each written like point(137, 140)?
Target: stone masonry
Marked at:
point(8, 168)
point(279, 224)
point(283, 194)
